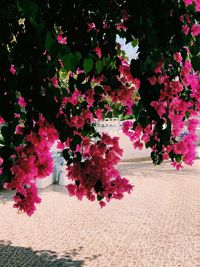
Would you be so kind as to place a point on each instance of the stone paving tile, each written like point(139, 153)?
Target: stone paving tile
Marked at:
point(158, 225)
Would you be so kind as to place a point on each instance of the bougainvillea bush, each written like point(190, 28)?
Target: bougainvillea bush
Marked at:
point(61, 68)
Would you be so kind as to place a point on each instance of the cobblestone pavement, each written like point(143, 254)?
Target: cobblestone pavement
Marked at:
point(157, 226)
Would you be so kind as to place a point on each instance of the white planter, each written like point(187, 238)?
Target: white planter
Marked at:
point(44, 182)
point(62, 176)
point(129, 152)
point(198, 152)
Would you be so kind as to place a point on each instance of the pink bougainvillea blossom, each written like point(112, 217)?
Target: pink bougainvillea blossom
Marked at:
point(195, 30)
point(185, 29)
point(12, 69)
point(177, 57)
point(21, 102)
point(152, 80)
point(91, 26)
point(1, 161)
point(1, 120)
point(54, 81)
point(103, 180)
point(27, 201)
point(61, 39)
point(98, 51)
point(198, 5)
point(188, 2)
point(177, 165)
point(33, 161)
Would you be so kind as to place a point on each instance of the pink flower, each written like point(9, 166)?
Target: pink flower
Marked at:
point(138, 145)
point(161, 109)
point(12, 69)
point(26, 202)
point(185, 29)
point(102, 204)
point(176, 87)
point(60, 145)
point(121, 26)
point(152, 80)
point(19, 129)
point(61, 64)
point(21, 101)
point(195, 29)
point(181, 18)
point(126, 126)
point(16, 115)
point(177, 57)
point(99, 114)
point(188, 2)
point(54, 81)
point(90, 26)
point(1, 161)
point(61, 40)
point(136, 82)
point(71, 189)
point(197, 5)
point(177, 165)
point(98, 51)
point(192, 125)
point(1, 120)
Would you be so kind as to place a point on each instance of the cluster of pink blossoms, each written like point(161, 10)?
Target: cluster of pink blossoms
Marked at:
point(125, 93)
point(188, 27)
point(1, 161)
point(96, 175)
point(32, 161)
point(173, 104)
point(190, 2)
point(179, 102)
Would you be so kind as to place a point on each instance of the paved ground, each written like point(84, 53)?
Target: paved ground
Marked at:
point(158, 225)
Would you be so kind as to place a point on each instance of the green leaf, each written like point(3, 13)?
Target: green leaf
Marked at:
point(178, 157)
point(99, 66)
point(17, 139)
point(196, 62)
point(75, 60)
point(187, 114)
point(99, 197)
point(71, 61)
point(78, 157)
point(49, 41)
point(88, 64)
point(66, 62)
point(76, 141)
point(7, 132)
point(29, 9)
point(134, 43)
point(66, 154)
point(63, 136)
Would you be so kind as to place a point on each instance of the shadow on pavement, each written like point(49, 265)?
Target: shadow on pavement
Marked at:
point(14, 256)
point(5, 196)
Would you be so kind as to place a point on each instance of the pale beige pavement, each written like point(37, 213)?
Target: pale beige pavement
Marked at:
point(158, 225)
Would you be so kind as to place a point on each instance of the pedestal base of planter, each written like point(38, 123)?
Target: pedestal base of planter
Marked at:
point(44, 182)
point(198, 152)
point(62, 176)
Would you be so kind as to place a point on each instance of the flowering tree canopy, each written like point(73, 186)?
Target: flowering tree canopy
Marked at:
point(61, 68)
